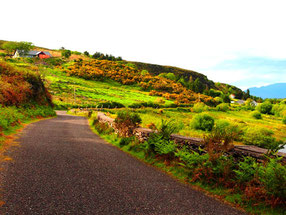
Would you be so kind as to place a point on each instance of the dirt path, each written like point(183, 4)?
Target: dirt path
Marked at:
point(63, 168)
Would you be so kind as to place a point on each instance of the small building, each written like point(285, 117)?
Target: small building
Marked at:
point(240, 102)
point(232, 96)
point(253, 103)
point(32, 54)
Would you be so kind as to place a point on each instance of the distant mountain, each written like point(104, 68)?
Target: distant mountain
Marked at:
point(270, 91)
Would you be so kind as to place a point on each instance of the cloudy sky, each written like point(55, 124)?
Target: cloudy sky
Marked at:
point(240, 42)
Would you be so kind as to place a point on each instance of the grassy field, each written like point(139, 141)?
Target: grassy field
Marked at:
point(183, 117)
point(82, 92)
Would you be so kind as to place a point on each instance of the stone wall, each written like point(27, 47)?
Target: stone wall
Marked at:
point(194, 143)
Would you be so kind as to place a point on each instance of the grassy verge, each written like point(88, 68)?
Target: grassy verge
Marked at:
point(12, 119)
point(174, 168)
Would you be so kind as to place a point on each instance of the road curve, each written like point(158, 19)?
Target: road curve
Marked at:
point(61, 167)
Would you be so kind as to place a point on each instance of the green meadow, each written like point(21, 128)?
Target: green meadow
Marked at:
point(77, 92)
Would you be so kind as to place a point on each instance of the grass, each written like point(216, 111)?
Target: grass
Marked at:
point(181, 174)
point(7, 140)
point(79, 92)
point(183, 117)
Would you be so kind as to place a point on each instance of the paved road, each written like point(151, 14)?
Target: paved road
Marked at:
point(63, 168)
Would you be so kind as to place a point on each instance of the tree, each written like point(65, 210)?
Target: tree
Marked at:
point(23, 47)
point(265, 107)
point(198, 86)
point(96, 55)
point(86, 53)
point(66, 53)
point(9, 47)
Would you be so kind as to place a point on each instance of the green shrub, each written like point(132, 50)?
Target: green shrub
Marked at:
point(159, 143)
point(284, 120)
point(218, 100)
point(124, 141)
point(158, 146)
point(246, 170)
point(145, 104)
point(144, 72)
point(66, 53)
point(227, 130)
point(126, 122)
point(222, 107)
point(265, 107)
point(191, 159)
point(273, 177)
point(102, 128)
point(12, 116)
point(279, 110)
point(256, 115)
point(202, 122)
point(261, 137)
point(54, 61)
point(200, 107)
point(167, 128)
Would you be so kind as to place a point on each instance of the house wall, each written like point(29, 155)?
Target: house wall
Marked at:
point(16, 55)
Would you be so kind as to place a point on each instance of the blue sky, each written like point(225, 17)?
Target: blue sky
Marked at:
point(235, 42)
point(250, 71)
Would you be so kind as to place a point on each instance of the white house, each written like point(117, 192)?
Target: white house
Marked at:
point(31, 54)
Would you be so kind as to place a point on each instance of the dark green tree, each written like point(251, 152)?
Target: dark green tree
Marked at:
point(66, 53)
point(86, 53)
point(198, 86)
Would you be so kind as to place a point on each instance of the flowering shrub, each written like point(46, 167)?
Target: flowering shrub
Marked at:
point(20, 87)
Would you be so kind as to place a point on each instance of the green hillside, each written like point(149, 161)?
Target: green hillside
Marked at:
point(186, 74)
point(77, 92)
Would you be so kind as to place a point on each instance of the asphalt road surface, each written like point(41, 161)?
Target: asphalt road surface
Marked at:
point(61, 167)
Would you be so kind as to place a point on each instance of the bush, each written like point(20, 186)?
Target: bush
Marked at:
point(218, 100)
point(110, 105)
point(202, 122)
point(261, 137)
point(265, 107)
point(102, 128)
point(284, 120)
point(192, 159)
point(256, 115)
point(159, 143)
point(158, 146)
point(221, 138)
point(145, 104)
point(279, 110)
point(144, 72)
point(126, 122)
point(66, 53)
point(12, 116)
point(124, 141)
point(200, 107)
point(222, 107)
point(273, 178)
point(53, 61)
point(246, 171)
